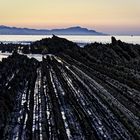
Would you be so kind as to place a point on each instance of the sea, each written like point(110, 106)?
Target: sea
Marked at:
point(81, 40)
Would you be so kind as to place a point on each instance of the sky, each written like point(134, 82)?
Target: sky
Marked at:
point(108, 16)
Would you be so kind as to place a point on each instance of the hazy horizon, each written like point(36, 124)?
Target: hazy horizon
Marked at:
point(112, 17)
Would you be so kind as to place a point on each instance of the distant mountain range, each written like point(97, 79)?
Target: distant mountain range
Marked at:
point(5, 30)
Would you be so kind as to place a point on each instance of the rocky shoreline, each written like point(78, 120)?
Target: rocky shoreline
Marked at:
point(74, 93)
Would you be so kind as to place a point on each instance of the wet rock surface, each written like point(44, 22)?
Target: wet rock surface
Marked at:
point(76, 94)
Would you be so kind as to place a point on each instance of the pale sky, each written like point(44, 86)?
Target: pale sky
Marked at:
point(109, 16)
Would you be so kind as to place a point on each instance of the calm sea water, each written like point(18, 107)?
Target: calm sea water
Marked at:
point(36, 56)
point(77, 39)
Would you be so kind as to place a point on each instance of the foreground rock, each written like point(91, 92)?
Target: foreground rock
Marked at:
point(74, 93)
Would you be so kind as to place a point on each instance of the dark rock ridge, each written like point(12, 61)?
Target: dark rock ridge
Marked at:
point(15, 72)
point(53, 45)
point(47, 45)
point(5, 30)
point(90, 93)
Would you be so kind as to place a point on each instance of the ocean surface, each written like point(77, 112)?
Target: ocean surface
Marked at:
point(81, 40)
point(36, 56)
point(78, 39)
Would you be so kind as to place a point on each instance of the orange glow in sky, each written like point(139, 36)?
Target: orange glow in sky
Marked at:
point(111, 16)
